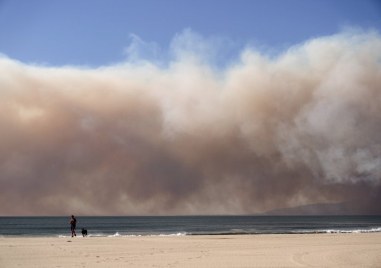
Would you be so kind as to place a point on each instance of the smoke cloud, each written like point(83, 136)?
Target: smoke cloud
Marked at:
point(138, 138)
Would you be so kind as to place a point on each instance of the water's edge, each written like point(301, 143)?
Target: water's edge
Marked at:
point(187, 225)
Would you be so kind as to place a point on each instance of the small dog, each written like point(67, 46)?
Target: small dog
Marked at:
point(84, 232)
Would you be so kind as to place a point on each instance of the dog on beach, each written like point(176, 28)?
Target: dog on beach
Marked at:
point(84, 232)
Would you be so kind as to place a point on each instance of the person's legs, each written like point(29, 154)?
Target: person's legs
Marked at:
point(73, 231)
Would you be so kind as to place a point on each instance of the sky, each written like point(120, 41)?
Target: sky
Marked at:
point(189, 107)
point(95, 33)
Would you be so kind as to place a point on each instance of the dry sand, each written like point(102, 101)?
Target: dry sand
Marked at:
point(310, 250)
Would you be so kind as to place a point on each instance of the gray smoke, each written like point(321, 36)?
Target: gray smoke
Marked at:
point(135, 138)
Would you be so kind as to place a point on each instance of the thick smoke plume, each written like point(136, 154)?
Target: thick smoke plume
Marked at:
point(135, 138)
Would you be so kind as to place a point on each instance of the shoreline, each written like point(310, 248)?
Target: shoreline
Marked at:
point(264, 250)
point(117, 235)
point(181, 234)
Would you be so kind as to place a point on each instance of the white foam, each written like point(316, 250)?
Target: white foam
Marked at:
point(177, 234)
point(96, 235)
point(114, 235)
point(63, 236)
point(356, 231)
point(117, 234)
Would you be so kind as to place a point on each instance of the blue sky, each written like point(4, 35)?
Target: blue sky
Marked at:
point(95, 32)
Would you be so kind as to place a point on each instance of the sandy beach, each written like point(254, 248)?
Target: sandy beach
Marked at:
point(310, 250)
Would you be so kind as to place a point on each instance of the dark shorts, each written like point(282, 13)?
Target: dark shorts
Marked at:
point(72, 227)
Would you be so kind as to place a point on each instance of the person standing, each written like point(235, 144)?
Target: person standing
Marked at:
point(73, 225)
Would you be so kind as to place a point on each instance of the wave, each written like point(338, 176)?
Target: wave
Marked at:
point(117, 234)
point(234, 232)
point(372, 230)
point(176, 234)
point(310, 231)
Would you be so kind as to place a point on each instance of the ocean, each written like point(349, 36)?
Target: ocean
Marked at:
point(188, 225)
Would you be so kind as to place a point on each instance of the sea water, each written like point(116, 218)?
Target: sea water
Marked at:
point(188, 225)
